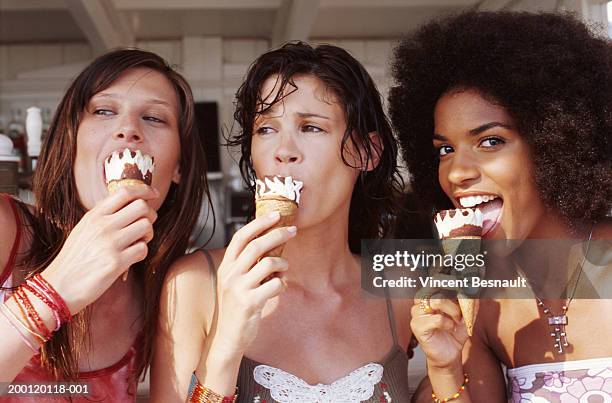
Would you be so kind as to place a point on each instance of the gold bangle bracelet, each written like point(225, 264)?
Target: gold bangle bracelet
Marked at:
point(202, 394)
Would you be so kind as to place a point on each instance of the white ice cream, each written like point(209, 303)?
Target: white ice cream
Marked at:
point(113, 168)
point(288, 188)
point(447, 223)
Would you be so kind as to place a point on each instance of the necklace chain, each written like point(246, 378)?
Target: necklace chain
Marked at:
point(558, 322)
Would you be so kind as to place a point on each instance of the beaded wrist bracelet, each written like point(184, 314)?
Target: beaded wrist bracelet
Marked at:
point(436, 399)
point(202, 394)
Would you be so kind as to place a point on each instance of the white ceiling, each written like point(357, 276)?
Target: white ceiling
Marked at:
point(109, 23)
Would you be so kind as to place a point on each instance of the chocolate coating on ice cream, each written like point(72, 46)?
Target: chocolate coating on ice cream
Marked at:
point(466, 230)
point(459, 223)
point(131, 171)
point(129, 164)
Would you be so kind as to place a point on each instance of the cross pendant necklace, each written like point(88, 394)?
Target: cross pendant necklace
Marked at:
point(557, 325)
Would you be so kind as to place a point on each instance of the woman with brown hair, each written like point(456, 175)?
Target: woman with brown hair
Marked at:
point(307, 333)
point(66, 313)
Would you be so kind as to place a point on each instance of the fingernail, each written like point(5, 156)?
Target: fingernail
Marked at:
point(274, 214)
point(292, 229)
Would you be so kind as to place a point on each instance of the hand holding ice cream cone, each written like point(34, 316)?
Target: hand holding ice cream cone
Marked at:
point(460, 230)
point(278, 193)
point(128, 168)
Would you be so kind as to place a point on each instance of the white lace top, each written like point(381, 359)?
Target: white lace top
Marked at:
point(352, 388)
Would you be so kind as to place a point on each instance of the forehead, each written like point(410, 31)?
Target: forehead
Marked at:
point(466, 108)
point(142, 83)
point(305, 89)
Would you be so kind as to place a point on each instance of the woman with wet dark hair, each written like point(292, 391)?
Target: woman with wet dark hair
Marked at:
point(312, 113)
point(66, 313)
point(510, 113)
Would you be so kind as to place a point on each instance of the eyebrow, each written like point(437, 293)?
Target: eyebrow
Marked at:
point(303, 115)
point(148, 100)
point(478, 130)
point(311, 115)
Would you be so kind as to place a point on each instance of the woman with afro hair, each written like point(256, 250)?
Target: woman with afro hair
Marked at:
point(511, 113)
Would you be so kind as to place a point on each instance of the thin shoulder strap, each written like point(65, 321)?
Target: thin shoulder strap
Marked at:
point(391, 316)
point(8, 269)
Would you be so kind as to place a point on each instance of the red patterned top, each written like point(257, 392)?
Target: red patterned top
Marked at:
point(112, 384)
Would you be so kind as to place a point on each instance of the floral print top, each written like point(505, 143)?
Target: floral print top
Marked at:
point(582, 381)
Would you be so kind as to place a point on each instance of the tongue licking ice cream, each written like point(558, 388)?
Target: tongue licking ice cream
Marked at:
point(127, 167)
point(278, 193)
point(491, 212)
point(461, 224)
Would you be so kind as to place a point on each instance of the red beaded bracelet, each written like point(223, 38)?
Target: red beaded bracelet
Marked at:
point(25, 321)
point(64, 312)
point(32, 314)
point(41, 295)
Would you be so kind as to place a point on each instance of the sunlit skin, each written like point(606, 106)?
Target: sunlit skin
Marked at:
point(481, 153)
point(301, 136)
point(313, 327)
point(138, 111)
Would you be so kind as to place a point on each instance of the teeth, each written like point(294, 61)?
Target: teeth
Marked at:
point(471, 201)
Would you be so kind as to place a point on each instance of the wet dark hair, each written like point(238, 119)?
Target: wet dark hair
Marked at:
point(375, 199)
point(551, 74)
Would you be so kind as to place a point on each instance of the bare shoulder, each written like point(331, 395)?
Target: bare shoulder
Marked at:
point(195, 266)
point(603, 230)
point(189, 285)
point(8, 233)
point(7, 218)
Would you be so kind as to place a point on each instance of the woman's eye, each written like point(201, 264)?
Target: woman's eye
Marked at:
point(153, 119)
point(103, 112)
point(491, 142)
point(264, 130)
point(443, 150)
point(312, 129)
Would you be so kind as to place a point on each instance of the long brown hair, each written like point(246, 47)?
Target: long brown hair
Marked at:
point(58, 208)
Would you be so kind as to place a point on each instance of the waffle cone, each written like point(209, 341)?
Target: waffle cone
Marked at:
point(288, 212)
point(469, 310)
point(113, 186)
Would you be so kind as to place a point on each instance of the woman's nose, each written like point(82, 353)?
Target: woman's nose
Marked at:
point(129, 130)
point(287, 151)
point(463, 169)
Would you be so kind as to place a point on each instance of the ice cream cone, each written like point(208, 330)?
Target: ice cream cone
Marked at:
point(460, 230)
point(469, 310)
point(127, 168)
point(288, 212)
point(113, 186)
point(281, 194)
